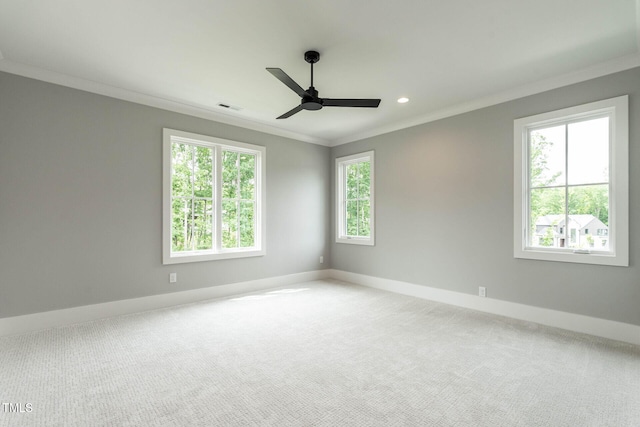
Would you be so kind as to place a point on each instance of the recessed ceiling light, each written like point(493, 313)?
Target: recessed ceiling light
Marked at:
point(403, 100)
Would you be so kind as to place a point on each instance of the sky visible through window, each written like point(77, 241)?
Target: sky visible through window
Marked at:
point(588, 151)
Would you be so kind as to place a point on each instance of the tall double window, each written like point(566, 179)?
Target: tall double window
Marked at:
point(355, 199)
point(213, 198)
point(571, 184)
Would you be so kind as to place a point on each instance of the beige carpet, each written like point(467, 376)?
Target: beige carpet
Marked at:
point(318, 354)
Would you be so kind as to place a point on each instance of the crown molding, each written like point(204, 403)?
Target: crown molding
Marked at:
point(149, 100)
point(592, 72)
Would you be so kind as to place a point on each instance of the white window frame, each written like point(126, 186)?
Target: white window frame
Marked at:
point(618, 255)
point(341, 164)
point(217, 144)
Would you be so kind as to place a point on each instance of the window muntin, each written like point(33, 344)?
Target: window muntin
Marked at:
point(355, 199)
point(571, 176)
point(213, 198)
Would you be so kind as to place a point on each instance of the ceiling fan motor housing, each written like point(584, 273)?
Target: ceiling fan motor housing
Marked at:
point(311, 101)
point(311, 104)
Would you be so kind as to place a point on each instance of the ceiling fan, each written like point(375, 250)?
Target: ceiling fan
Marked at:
point(310, 99)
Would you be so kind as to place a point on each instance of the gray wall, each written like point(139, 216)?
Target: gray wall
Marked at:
point(80, 205)
point(80, 201)
point(444, 206)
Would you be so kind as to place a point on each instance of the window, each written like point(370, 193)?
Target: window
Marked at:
point(572, 170)
point(355, 199)
point(213, 198)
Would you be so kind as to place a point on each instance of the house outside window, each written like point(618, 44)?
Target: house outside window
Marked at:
point(355, 207)
point(550, 230)
point(571, 177)
point(213, 198)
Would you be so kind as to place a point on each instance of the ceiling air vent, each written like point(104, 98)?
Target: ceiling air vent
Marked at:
point(229, 107)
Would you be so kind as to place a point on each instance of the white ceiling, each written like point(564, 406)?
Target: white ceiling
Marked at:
point(446, 56)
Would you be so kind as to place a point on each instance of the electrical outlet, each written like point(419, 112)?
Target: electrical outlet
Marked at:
point(321, 259)
point(482, 291)
point(173, 277)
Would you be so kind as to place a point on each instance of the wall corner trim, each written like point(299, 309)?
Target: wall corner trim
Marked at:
point(68, 316)
point(570, 321)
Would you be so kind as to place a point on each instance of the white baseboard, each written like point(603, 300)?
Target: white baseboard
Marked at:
point(574, 322)
point(68, 316)
point(559, 319)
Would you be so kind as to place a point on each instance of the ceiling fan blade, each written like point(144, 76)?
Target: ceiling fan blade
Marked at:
point(284, 78)
point(370, 103)
point(290, 112)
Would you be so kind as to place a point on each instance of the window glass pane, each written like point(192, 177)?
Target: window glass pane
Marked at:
point(181, 169)
point(352, 218)
point(229, 224)
point(589, 216)
point(351, 172)
point(547, 218)
point(589, 151)
point(364, 180)
point(203, 172)
point(364, 227)
point(180, 225)
point(572, 233)
point(229, 174)
point(247, 176)
point(247, 233)
point(547, 156)
point(202, 224)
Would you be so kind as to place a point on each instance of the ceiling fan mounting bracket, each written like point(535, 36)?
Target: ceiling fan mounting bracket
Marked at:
point(311, 56)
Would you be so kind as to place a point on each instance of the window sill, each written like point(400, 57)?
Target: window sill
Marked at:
point(573, 257)
point(356, 241)
point(209, 256)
